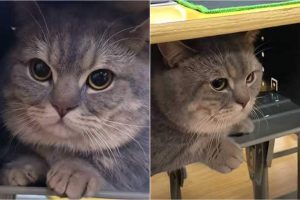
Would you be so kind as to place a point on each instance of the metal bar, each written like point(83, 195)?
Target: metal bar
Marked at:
point(270, 152)
point(285, 152)
point(175, 184)
point(258, 169)
point(261, 189)
point(10, 190)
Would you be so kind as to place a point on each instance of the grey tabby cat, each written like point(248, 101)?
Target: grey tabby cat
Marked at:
point(202, 90)
point(78, 96)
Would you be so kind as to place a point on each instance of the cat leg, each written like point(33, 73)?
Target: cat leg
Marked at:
point(23, 171)
point(75, 178)
point(224, 155)
point(245, 126)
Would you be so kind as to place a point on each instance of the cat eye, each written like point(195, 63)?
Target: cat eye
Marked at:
point(250, 78)
point(39, 70)
point(219, 84)
point(100, 79)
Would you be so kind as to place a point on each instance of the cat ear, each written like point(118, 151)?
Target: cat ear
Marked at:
point(251, 36)
point(173, 52)
point(139, 36)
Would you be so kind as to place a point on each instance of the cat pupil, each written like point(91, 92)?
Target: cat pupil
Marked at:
point(219, 84)
point(100, 79)
point(39, 70)
point(250, 77)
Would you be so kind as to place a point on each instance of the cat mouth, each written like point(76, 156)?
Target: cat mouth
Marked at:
point(61, 124)
point(61, 130)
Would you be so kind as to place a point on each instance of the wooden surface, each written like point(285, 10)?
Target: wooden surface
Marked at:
point(175, 22)
point(203, 183)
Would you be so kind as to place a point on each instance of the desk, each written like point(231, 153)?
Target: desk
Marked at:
point(278, 116)
point(171, 22)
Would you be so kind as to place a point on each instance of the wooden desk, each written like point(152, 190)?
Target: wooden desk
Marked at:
point(175, 22)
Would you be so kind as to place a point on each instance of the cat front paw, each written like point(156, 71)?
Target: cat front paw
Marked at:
point(226, 157)
point(74, 178)
point(24, 171)
point(245, 126)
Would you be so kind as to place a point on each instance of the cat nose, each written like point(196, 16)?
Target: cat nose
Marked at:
point(62, 110)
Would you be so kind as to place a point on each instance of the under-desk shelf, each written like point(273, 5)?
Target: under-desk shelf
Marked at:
point(175, 22)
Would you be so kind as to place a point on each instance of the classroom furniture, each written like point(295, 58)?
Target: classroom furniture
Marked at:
point(277, 116)
point(170, 21)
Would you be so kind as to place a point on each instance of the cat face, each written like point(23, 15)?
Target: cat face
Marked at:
point(77, 82)
point(210, 84)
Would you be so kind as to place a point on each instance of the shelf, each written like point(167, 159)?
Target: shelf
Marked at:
point(175, 22)
point(39, 192)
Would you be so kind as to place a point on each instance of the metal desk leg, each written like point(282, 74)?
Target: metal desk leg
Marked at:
point(176, 182)
point(258, 169)
point(270, 152)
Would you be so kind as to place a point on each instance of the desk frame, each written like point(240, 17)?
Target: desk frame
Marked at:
point(259, 159)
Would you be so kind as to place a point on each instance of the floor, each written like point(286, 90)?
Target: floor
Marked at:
point(205, 183)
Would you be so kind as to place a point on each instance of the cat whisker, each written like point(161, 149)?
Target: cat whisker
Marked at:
point(259, 46)
point(123, 39)
point(92, 139)
point(100, 120)
point(39, 25)
point(43, 16)
point(132, 138)
point(119, 123)
point(256, 117)
point(266, 49)
point(115, 34)
point(97, 135)
point(107, 30)
point(257, 110)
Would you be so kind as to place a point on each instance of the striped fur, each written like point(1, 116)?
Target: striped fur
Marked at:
point(186, 111)
point(109, 129)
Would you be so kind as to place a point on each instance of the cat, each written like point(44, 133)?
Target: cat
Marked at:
point(202, 90)
point(77, 94)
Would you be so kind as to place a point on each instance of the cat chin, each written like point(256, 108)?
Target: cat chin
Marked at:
point(71, 135)
point(63, 137)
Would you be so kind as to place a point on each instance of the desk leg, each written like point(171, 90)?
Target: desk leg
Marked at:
point(176, 182)
point(258, 169)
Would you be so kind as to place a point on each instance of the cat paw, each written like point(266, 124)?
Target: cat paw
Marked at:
point(245, 126)
point(74, 178)
point(24, 171)
point(227, 157)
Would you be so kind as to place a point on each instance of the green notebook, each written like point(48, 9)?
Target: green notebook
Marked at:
point(223, 6)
